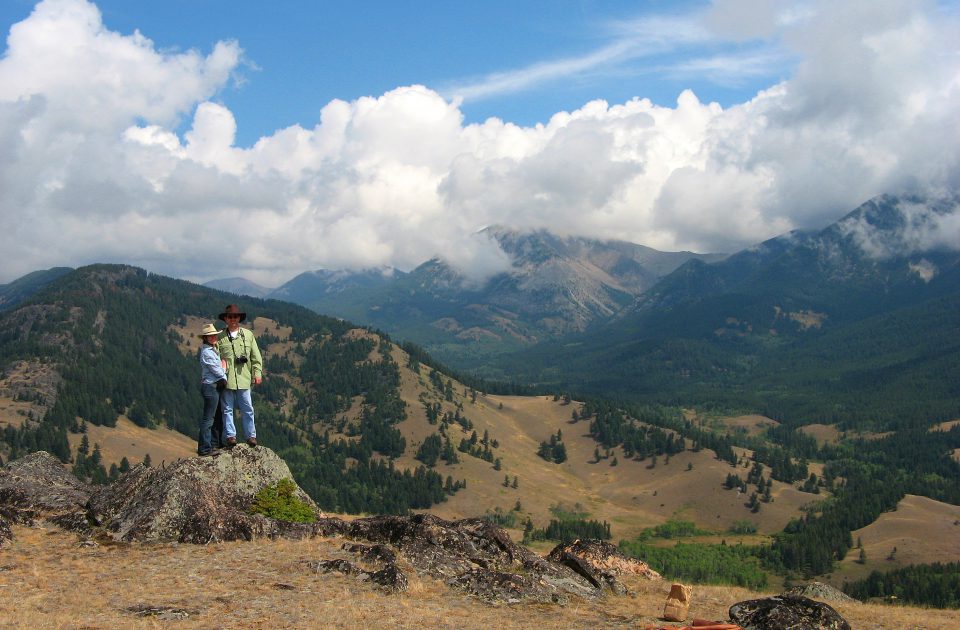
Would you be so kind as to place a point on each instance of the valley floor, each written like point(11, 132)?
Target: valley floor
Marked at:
point(48, 580)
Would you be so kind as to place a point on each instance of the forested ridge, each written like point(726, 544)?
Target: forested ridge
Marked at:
point(805, 328)
point(107, 329)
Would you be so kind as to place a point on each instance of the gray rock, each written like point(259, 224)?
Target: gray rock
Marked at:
point(196, 500)
point(820, 591)
point(38, 487)
point(786, 612)
point(474, 555)
point(6, 535)
point(600, 563)
point(389, 577)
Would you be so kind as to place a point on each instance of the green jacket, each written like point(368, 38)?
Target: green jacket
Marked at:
point(240, 376)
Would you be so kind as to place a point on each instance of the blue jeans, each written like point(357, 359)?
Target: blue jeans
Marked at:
point(211, 398)
point(238, 399)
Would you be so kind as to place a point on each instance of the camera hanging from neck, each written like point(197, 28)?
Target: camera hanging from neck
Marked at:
point(241, 359)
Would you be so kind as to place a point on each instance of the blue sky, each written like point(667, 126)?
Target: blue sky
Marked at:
point(381, 134)
point(299, 54)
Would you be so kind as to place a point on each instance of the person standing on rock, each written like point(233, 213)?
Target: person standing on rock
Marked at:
point(238, 347)
point(213, 379)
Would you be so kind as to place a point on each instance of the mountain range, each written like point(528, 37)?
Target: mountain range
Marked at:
point(848, 332)
point(843, 324)
point(555, 286)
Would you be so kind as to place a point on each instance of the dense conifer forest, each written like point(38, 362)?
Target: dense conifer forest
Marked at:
point(108, 330)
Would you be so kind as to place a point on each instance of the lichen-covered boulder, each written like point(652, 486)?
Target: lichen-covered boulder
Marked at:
point(38, 487)
point(786, 611)
point(821, 592)
point(196, 500)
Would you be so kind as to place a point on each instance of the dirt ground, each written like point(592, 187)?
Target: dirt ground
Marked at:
point(49, 580)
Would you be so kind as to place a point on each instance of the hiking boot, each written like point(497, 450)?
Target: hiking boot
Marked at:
point(252, 442)
point(231, 442)
point(211, 453)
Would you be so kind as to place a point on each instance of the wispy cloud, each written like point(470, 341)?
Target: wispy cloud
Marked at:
point(629, 40)
point(675, 46)
point(731, 69)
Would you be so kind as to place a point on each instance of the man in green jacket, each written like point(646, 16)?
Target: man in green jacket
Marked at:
point(238, 348)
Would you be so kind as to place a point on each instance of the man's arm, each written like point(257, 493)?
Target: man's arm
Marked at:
point(256, 361)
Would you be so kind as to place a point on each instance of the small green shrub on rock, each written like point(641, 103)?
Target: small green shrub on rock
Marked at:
point(280, 503)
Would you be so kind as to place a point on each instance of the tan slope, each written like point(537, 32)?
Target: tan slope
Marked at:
point(922, 530)
point(631, 495)
point(135, 442)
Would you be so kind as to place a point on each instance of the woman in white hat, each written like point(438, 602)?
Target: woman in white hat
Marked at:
point(212, 381)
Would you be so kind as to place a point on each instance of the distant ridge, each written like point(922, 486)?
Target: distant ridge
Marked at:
point(845, 323)
point(556, 285)
point(240, 286)
point(21, 289)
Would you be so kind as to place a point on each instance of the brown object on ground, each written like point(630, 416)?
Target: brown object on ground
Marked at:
point(678, 603)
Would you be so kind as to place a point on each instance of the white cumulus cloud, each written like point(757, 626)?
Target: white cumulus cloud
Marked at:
point(93, 168)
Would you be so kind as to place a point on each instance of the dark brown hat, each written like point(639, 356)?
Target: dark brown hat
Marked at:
point(232, 309)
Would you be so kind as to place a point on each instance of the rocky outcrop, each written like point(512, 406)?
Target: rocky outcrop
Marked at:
point(478, 557)
point(600, 563)
point(38, 487)
point(202, 500)
point(196, 500)
point(786, 611)
point(820, 591)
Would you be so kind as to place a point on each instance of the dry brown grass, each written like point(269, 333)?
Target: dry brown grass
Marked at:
point(822, 433)
point(631, 496)
point(922, 530)
point(28, 380)
point(48, 581)
point(945, 426)
point(752, 424)
point(134, 442)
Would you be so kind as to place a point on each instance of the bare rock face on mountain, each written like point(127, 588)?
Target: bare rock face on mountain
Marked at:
point(600, 563)
point(786, 611)
point(38, 487)
point(196, 500)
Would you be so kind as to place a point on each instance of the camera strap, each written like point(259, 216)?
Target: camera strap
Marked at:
point(234, 348)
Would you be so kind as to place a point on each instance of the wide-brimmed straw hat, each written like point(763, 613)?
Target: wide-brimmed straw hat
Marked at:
point(232, 309)
point(208, 329)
